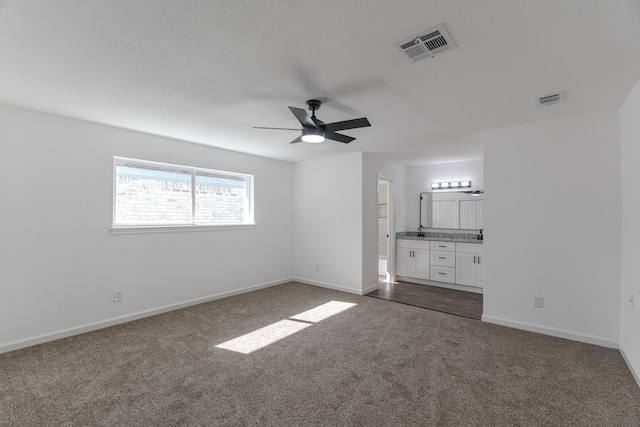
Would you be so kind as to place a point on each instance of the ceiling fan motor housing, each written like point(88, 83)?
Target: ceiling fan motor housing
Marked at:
point(314, 104)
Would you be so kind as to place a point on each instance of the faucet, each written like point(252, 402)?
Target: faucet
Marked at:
point(480, 236)
point(420, 233)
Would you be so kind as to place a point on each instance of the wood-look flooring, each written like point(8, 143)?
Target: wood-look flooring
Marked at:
point(460, 303)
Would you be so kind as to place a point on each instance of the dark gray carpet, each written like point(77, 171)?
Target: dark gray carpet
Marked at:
point(378, 363)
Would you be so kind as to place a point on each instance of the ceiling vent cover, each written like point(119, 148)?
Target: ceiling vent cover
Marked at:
point(551, 99)
point(426, 44)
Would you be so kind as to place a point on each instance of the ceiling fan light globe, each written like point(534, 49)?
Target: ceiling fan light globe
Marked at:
point(313, 139)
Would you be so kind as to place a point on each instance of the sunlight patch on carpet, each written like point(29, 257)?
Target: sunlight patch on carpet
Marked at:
point(262, 337)
point(323, 311)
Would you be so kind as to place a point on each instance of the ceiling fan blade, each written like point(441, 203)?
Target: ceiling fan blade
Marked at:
point(348, 124)
point(295, 141)
point(338, 137)
point(260, 127)
point(303, 117)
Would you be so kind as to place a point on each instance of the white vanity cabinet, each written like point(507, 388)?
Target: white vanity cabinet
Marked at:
point(469, 264)
point(439, 263)
point(412, 258)
point(443, 262)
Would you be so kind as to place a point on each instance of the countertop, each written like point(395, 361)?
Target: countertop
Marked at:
point(440, 237)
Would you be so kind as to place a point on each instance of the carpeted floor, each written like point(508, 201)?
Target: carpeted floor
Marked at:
point(376, 363)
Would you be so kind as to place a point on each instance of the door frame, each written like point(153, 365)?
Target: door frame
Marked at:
point(391, 253)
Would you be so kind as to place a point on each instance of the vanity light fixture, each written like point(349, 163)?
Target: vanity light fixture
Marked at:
point(450, 184)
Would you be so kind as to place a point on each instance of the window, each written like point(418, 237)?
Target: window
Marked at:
point(149, 194)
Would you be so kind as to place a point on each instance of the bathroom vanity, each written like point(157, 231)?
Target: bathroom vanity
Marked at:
point(442, 259)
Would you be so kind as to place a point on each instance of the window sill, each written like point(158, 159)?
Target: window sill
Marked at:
point(138, 229)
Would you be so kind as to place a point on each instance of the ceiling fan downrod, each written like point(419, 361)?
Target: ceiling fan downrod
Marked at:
point(313, 105)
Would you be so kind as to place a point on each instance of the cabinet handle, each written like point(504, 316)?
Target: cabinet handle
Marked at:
point(444, 274)
point(440, 246)
point(474, 259)
point(478, 259)
point(442, 257)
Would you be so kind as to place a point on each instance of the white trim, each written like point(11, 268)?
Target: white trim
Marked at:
point(328, 286)
point(76, 330)
point(391, 247)
point(561, 333)
point(137, 229)
point(633, 368)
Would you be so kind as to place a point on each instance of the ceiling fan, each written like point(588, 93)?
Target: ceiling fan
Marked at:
point(315, 130)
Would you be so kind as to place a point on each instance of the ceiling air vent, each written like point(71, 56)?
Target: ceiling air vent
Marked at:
point(426, 44)
point(551, 99)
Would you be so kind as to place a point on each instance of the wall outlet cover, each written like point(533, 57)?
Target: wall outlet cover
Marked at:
point(117, 296)
point(538, 302)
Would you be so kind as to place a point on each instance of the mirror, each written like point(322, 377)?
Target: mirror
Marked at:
point(463, 210)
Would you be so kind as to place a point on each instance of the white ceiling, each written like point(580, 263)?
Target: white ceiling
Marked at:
point(208, 71)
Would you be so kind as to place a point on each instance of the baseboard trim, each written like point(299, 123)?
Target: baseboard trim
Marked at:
point(635, 371)
point(77, 330)
point(327, 285)
point(561, 333)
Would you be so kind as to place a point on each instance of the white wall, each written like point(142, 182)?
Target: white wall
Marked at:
point(552, 221)
point(372, 168)
point(419, 179)
point(336, 219)
point(60, 263)
point(328, 222)
point(630, 315)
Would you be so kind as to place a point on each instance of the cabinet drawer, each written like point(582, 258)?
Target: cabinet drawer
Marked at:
point(443, 259)
point(412, 244)
point(443, 274)
point(473, 248)
point(443, 246)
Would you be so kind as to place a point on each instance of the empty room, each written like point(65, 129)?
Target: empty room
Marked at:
point(295, 213)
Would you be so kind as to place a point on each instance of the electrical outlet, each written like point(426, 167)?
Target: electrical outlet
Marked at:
point(538, 302)
point(317, 267)
point(117, 296)
point(632, 301)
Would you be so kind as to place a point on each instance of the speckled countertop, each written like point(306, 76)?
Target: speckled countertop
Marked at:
point(441, 237)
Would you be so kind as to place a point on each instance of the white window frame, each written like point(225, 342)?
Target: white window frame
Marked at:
point(159, 228)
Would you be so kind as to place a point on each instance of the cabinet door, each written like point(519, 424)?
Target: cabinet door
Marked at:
point(405, 263)
point(466, 269)
point(480, 214)
point(468, 214)
point(479, 271)
point(422, 263)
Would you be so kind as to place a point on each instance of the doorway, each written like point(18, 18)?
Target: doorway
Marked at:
point(385, 227)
